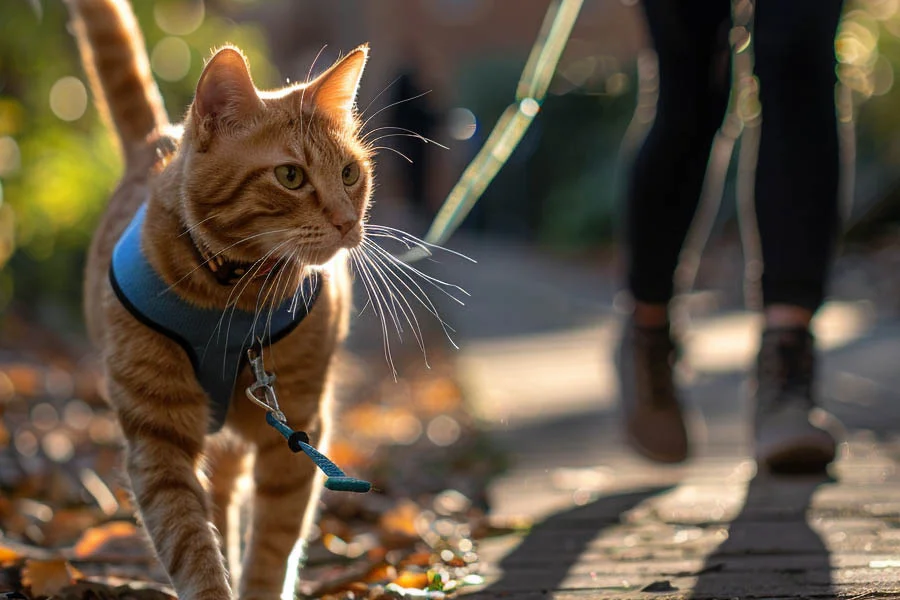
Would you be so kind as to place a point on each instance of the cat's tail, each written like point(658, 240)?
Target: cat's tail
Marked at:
point(115, 59)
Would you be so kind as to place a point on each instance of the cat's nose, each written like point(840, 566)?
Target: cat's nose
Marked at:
point(343, 223)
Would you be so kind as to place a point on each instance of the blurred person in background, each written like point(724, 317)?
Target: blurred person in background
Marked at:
point(796, 191)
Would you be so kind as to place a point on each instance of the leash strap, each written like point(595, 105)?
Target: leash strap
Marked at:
point(298, 441)
point(509, 129)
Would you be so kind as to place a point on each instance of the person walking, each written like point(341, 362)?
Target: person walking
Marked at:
point(796, 208)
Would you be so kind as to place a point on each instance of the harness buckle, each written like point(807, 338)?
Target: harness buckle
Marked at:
point(263, 381)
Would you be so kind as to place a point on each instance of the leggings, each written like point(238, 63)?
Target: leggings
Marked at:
point(797, 170)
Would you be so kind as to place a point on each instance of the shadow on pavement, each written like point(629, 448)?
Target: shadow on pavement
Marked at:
point(771, 551)
point(543, 560)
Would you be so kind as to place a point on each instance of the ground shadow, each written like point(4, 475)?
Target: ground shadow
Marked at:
point(543, 560)
point(771, 551)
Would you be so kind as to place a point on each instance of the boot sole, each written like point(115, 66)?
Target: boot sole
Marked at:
point(798, 460)
point(668, 459)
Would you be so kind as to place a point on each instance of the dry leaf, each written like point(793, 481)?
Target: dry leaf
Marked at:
point(48, 577)
point(7, 555)
point(410, 579)
point(99, 538)
point(401, 519)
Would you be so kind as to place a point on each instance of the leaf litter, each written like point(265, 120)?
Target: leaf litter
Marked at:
point(67, 524)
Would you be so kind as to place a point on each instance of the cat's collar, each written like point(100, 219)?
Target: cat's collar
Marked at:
point(225, 270)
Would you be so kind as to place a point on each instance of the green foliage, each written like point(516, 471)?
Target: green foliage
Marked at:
point(56, 175)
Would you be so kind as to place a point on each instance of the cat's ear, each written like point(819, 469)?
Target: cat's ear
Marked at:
point(225, 91)
point(334, 91)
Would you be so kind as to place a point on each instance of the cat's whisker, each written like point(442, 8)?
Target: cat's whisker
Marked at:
point(391, 105)
point(408, 132)
point(378, 95)
point(410, 135)
point(408, 312)
point(195, 225)
point(377, 308)
point(389, 306)
point(416, 241)
point(434, 282)
point(308, 76)
point(395, 151)
point(419, 294)
point(353, 260)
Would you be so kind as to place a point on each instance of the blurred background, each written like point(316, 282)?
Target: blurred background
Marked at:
point(536, 335)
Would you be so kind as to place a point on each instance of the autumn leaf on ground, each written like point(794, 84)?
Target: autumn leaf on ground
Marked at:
point(113, 538)
point(48, 577)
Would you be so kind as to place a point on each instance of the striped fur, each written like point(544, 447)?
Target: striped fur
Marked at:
point(112, 50)
point(215, 175)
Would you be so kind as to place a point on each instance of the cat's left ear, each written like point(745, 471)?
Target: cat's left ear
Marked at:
point(225, 91)
point(334, 91)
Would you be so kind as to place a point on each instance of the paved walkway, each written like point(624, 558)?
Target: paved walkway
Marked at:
point(536, 343)
point(610, 525)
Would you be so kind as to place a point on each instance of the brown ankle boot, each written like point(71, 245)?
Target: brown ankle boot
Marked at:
point(653, 419)
point(786, 441)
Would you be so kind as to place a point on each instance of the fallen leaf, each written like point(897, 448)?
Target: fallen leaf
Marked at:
point(411, 579)
point(48, 577)
point(401, 519)
point(97, 539)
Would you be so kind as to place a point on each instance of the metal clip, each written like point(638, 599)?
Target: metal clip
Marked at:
point(263, 381)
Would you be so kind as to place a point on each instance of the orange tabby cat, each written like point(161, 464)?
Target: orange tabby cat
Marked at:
point(276, 183)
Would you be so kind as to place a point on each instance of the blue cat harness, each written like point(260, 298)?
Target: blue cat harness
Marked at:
point(215, 342)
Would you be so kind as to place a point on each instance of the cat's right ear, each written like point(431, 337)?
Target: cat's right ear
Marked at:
point(225, 93)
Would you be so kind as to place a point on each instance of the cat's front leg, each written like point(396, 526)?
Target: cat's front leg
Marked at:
point(164, 439)
point(287, 488)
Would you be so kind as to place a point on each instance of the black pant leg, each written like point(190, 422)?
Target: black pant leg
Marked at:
point(690, 39)
point(797, 170)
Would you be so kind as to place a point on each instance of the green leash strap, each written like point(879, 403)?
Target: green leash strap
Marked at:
point(510, 127)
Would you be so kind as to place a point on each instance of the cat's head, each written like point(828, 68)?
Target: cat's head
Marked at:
point(275, 173)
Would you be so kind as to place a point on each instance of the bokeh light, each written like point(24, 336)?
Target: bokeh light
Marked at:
point(461, 123)
point(171, 59)
point(529, 107)
point(179, 17)
point(10, 158)
point(617, 84)
point(68, 98)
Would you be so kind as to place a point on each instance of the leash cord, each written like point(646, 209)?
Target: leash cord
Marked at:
point(510, 127)
point(298, 441)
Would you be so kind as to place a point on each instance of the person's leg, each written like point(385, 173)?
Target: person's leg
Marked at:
point(798, 214)
point(691, 42)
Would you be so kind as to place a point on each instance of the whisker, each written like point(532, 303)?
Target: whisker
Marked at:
point(434, 282)
point(384, 271)
point(303, 92)
point(417, 241)
point(394, 150)
point(410, 133)
point(197, 224)
point(392, 104)
point(391, 307)
point(423, 299)
point(372, 101)
point(379, 312)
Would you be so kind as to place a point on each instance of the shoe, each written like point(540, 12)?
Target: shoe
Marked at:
point(654, 423)
point(786, 440)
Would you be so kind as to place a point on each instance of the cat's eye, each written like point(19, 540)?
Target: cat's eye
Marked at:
point(290, 176)
point(350, 174)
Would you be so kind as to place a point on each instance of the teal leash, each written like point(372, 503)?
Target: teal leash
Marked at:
point(298, 441)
